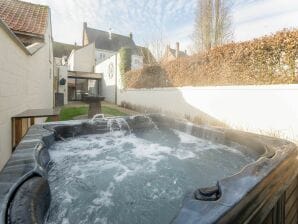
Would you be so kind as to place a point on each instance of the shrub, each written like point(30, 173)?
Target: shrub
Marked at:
point(267, 60)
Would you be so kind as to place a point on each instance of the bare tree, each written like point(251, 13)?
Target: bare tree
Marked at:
point(147, 52)
point(213, 26)
point(156, 45)
point(218, 21)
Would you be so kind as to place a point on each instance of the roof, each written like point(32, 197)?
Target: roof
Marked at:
point(148, 57)
point(11, 34)
point(181, 53)
point(62, 49)
point(102, 41)
point(24, 17)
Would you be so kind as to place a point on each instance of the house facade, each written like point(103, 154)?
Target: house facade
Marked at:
point(94, 67)
point(172, 54)
point(107, 58)
point(26, 64)
point(82, 77)
point(61, 52)
point(108, 43)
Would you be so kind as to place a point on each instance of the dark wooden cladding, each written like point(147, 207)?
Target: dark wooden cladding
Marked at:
point(289, 200)
point(291, 190)
point(23, 121)
point(269, 219)
point(291, 205)
point(267, 197)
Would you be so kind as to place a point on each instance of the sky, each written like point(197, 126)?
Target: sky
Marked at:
point(169, 20)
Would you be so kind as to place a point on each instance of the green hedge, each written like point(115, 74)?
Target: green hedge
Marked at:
point(125, 55)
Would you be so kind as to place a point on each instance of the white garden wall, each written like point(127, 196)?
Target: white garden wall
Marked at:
point(269, 110)
point(26, 83)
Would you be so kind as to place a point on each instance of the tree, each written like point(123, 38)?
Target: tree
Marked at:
point(156, 45)
point(213, 26)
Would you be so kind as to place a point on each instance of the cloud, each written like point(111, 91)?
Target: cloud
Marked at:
point(264, 17)
point(173, 19)
point(146, 19)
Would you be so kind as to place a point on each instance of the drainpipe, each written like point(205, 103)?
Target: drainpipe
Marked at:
point(116, 78)
point(58, 79)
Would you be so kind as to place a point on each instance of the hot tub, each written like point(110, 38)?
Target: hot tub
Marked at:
point(148, 169)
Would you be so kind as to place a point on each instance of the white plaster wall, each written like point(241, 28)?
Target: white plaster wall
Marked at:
point(62, 72)
point(106, 55)
point(71, 61)
point(108, 83)
point(82, 60)
point(269, 110)
point(136, 62)
point(26, 83)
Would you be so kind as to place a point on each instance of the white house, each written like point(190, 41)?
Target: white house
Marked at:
point(82, 77)
point(171, 54)
point(83, 59)
point(94, 67)
point(108, 44)
point(26, 64)
point(61, 52)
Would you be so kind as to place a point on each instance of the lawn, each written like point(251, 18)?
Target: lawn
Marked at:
point(68, 113)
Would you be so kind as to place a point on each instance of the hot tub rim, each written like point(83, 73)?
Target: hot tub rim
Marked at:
point(47, 139)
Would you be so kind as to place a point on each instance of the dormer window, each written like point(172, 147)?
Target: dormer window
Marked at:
point(102, 56)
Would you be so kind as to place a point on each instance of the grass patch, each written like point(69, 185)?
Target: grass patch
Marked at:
point(69, 113)
point(112, 111)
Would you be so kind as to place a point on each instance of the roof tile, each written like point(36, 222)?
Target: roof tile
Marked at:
point(24, 17)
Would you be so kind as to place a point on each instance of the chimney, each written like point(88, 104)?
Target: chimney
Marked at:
point(110, 34)
point(168, 49)
point(84, 40)
point(177, 49)
point(75, 45)
point(130, 36)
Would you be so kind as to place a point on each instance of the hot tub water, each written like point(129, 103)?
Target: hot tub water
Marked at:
point(125, 177)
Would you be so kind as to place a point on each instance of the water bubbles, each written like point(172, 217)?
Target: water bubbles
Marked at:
point(105, 197)
point(121, 177)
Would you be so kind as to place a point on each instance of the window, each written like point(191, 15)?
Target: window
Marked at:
point(102, 56)
point(111, 70)
point(77, 87)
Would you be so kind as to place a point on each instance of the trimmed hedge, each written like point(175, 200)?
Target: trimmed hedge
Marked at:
point(125, 55)
point(267, 60)
point(125, 63)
